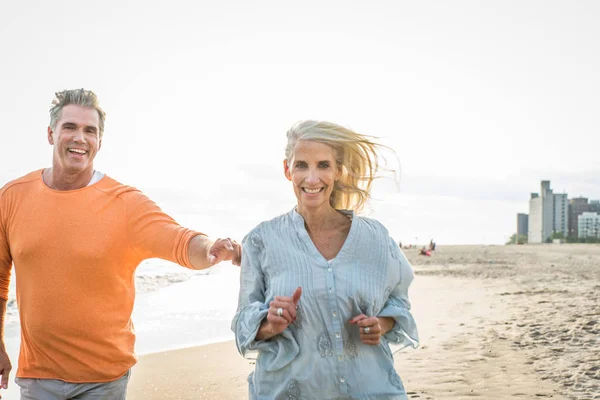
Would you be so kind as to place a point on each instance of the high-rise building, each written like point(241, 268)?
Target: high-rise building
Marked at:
point(589, 225)
point(522, 224)
point(561, 214)
point(548, 214)
point(534, 229)
point(578, 206)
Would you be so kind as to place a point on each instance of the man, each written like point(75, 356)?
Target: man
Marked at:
point(76, 237)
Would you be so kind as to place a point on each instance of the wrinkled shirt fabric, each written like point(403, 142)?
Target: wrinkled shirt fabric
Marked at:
point(320, 355)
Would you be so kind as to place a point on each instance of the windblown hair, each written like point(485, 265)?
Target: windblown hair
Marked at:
point(356, 155)
point(80, 97)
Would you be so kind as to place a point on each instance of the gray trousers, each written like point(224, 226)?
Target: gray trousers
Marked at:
point(50, 389)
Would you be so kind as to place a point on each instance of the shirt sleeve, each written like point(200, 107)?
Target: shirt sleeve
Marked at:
point(5, 256)
point(154, 234)
point(253, 307)
point(397, 306)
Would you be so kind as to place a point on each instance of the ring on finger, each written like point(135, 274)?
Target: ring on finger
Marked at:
point(279, 312)
point(367, 329)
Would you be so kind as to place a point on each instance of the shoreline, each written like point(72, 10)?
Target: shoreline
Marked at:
point(495, 322)
point(461, 322)
point(169, 349)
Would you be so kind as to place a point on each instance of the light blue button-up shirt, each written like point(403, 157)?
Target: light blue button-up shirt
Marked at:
point(320, 355)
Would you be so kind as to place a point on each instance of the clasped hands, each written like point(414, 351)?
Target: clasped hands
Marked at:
point(283, 312)
point(225, 250)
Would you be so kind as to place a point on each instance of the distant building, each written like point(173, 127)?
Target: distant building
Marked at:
point(534, 229)
point(578, 206)
point(561, 214)
point(548, 213)
point(522, 224)
point(589, 225)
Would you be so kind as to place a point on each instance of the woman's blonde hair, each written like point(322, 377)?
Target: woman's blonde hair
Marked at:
point(356, 155)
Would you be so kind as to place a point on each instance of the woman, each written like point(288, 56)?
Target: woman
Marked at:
point(324, 290)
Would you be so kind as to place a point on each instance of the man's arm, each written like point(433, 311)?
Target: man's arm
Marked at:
point(154, 234)
point(205, 253)
point(5, 270)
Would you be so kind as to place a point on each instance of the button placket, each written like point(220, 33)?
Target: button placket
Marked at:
point(337, 338)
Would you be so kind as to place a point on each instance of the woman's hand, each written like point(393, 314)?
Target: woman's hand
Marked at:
point(371, 329)
point(282, 312)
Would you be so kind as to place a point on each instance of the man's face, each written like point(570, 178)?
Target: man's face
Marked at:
point(76, 139)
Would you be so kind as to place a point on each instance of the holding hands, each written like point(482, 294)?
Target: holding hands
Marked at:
point(225, 250)
point(282, 312)
point(204, 253)
point(371, 329)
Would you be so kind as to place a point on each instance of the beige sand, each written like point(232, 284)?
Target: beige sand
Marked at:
point(496, 322)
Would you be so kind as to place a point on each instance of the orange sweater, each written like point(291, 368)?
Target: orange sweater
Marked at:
point(75, 253)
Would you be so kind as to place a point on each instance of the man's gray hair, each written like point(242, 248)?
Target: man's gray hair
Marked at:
point(80, 97)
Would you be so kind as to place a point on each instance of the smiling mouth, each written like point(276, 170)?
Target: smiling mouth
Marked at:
point(78, 151)
point(312, 191)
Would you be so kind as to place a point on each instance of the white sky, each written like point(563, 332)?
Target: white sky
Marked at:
point(480, 100)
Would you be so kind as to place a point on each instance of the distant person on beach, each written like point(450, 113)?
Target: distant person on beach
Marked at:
point(75, 237)
point(324, 290)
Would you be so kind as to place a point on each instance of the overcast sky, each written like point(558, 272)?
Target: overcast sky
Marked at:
point(480, 100)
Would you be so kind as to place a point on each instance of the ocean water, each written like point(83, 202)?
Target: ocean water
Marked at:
point(151, 275)
point(192, 312)
point(175, 307)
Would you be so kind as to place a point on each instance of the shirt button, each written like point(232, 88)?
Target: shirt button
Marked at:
point(342, 379)
point(340, 358)
point(337, 335)
point(330, 290)
point(329, 269)
point(334, 314)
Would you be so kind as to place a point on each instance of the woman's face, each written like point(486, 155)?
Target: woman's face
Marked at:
point(313, 172)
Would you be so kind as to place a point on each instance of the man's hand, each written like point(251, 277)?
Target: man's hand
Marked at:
point(204, 253)
point(5, 368)
point(225, 250)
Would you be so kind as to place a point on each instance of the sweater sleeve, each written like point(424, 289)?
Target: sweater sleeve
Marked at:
point(5, 256)
point(397, 306)
point(253, 307)
point(154, 234)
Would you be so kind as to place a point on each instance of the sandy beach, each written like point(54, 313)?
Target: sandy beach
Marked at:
point(495, 322)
